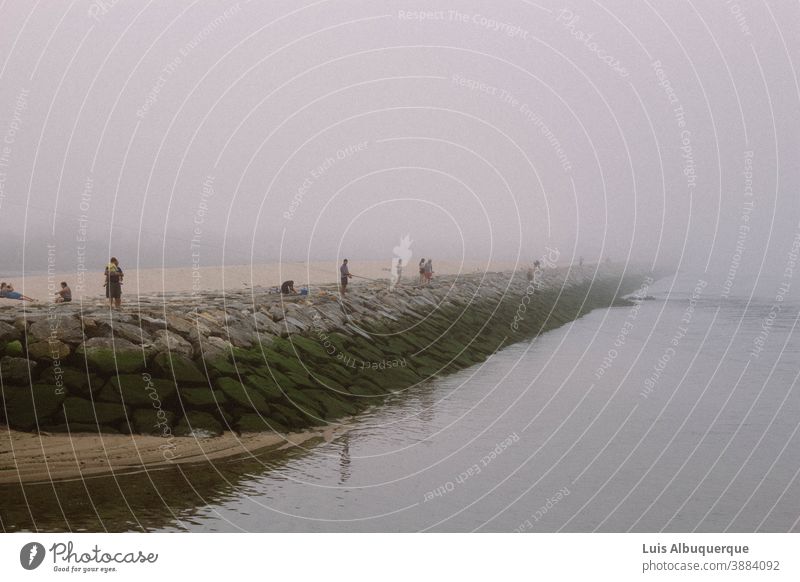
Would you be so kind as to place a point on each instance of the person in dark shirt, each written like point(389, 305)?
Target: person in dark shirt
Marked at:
point(288, 288)
point(113, 283)
point(344, 272)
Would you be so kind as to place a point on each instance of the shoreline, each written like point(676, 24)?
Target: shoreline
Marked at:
point(221, 381)
point(44, 458)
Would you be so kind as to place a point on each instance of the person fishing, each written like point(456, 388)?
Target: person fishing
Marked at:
point(113, 284)
point(344, 274)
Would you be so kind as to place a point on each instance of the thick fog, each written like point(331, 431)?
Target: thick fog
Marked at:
point(658, 133)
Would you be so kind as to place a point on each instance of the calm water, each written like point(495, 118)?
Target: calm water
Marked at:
point(536, 440)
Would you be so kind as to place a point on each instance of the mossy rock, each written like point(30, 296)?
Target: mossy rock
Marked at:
point(18, 370)
point(253, 423)
point(24, 405)
point(137, 390)
point(240, 394)
point(252, 357)
point(101, 413)
point(179, 367)
point(152, 421)
point(295, 419)
point(364, 388)
point(334, 406)
point(14, 349)
point(221, 366)
point(108, 361)
point(77, 383)
point(205, 398)
point(267, 387)
point(311, 347)
point(198, 424)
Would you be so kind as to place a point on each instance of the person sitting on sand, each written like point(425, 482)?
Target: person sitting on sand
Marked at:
point(287, 288)
point(65, 294)
point(344, 272)
point(113, 283)
point(7, 291)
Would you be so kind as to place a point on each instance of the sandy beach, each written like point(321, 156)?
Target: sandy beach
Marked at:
point(154, 280)
point(31, 458)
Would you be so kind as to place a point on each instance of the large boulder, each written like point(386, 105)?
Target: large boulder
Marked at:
point(27, 406)
point(170, 342)
point(128, 331)
point(205, 398)
point(85, 412)
point(213, 348)
point(254, 423)
point(76, 382)
point(199, 425)
point(137, 390)
point(52, 349)
point(18, 370)
point(8, 332)
point(240, 394)
point(178, 366)
point(152, 421)
point(111, 355)
point(58, 326)
point(14, 349)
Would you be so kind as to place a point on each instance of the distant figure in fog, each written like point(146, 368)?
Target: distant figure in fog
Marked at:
point(65, 294)
point(113, 284)
point(344, 273)
point(529, 275)
point(428, 271)
point(7, 291)
point(422, 271)
point(287, 288)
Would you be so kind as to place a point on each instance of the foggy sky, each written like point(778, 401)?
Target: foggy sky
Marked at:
point(225, 132)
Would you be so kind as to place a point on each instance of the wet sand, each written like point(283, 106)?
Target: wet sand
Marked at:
point(34, 458)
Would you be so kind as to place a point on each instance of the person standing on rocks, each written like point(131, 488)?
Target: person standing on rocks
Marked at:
point(422, 271)
point(113, 283)
point(344, 273)
point(428, 271)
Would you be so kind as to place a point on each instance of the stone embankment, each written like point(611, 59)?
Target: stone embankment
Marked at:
point(252, 361)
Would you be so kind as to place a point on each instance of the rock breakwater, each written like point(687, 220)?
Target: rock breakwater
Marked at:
point(251, 361)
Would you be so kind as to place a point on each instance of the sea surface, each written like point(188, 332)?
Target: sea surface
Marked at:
point(678, 414)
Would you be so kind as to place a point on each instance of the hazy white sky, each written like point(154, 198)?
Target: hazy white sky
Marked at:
point(280, 130)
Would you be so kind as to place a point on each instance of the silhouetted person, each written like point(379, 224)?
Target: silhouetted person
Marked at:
point(288, 288)
point(344, 274)
point(113, 283)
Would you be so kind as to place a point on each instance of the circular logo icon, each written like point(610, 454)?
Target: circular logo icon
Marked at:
point(31, 555)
